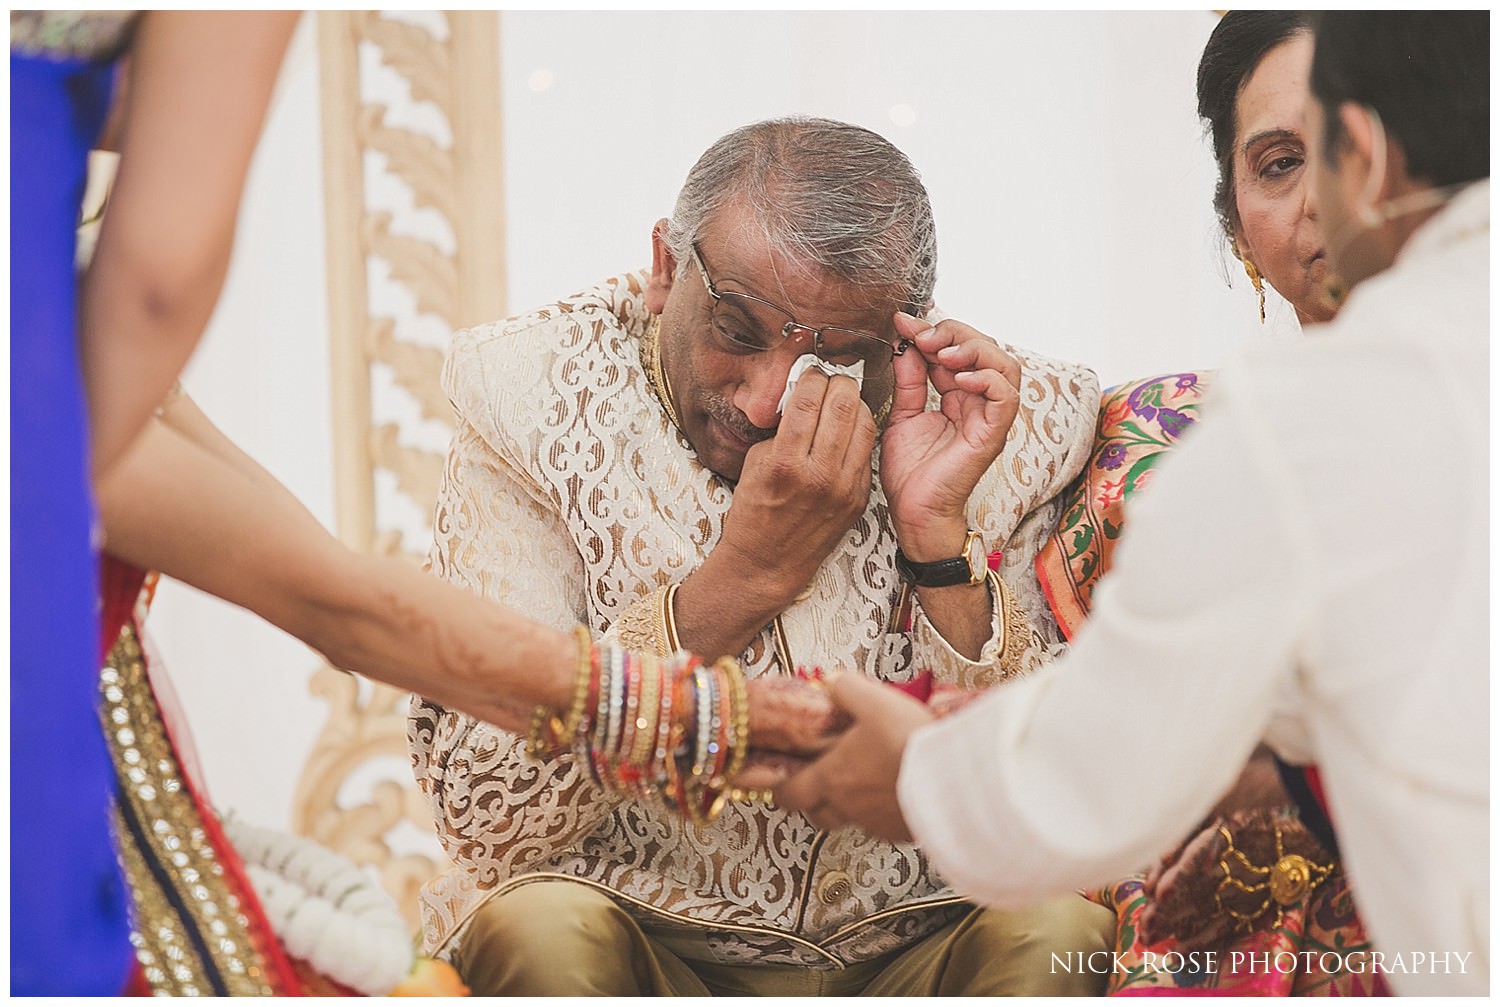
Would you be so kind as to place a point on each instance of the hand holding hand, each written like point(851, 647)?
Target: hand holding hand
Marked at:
point(854, 781)
point(791, 720)
point(793, 716)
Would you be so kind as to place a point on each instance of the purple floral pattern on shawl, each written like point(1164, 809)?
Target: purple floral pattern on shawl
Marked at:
point(1138, 423)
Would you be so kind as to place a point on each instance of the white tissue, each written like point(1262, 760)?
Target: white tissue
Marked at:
point(855, 370)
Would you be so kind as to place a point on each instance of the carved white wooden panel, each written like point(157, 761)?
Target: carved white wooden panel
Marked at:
point(415, 236)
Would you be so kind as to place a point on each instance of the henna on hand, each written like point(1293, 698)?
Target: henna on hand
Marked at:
point(1181, 889)
point(764, 771)
point(792, 716)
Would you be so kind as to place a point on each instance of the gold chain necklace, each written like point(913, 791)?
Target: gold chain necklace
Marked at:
point(655, 376)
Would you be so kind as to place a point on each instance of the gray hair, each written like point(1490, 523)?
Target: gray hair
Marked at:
point(828, 193)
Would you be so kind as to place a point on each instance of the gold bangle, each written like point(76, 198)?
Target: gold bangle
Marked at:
point(643, 742)
point(565, 727)
point(714, 786)
point(534, 742)
point(574, 717)
point(740, 795)
point(739, 705)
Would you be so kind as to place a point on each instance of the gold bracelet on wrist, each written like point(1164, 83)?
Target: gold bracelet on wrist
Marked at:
point(631, 724)
point(563, 728)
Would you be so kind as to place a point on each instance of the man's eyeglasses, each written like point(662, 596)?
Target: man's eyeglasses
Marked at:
point(748, 324)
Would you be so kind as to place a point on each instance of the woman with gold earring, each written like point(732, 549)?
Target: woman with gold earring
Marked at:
point(1252, 80)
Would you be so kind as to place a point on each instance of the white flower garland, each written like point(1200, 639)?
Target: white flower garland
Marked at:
point(326, 911)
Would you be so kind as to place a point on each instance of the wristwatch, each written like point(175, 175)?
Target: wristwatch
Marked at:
point(969, 567)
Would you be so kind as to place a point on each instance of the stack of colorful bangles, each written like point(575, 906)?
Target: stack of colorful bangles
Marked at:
point(673, 729)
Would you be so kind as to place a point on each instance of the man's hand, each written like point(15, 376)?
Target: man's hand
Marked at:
point(798, 495)
point(930, 461)
point(854, 781)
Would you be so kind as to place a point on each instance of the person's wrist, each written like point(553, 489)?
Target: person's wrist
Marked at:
point(951, 565)
point(762, 587)
point(931, 541)
point(731, 596)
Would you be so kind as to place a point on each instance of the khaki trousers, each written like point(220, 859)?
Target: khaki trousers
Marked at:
point(563, 938)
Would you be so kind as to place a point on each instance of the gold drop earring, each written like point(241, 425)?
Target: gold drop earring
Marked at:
point(1258, 283)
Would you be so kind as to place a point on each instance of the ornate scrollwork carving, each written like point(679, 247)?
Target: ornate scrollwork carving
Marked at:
point(355, 790)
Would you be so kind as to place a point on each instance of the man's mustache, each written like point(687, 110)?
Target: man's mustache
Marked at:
point(738, 423)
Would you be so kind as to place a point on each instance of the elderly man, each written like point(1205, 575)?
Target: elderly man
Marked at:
point(1323, 617)
point(636, 457)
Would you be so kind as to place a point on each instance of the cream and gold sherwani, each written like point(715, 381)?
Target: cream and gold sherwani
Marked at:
point(569, 496)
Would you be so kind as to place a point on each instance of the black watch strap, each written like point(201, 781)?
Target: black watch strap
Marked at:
point(965, 568)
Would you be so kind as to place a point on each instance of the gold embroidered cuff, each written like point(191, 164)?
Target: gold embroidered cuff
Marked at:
point(648, 625)
point(1018, 641)
point(1013, 649)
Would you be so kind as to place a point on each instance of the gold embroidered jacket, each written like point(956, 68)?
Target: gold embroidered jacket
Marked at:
point(569, 496)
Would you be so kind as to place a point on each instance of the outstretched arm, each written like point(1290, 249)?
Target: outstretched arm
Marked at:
point(184, 500)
